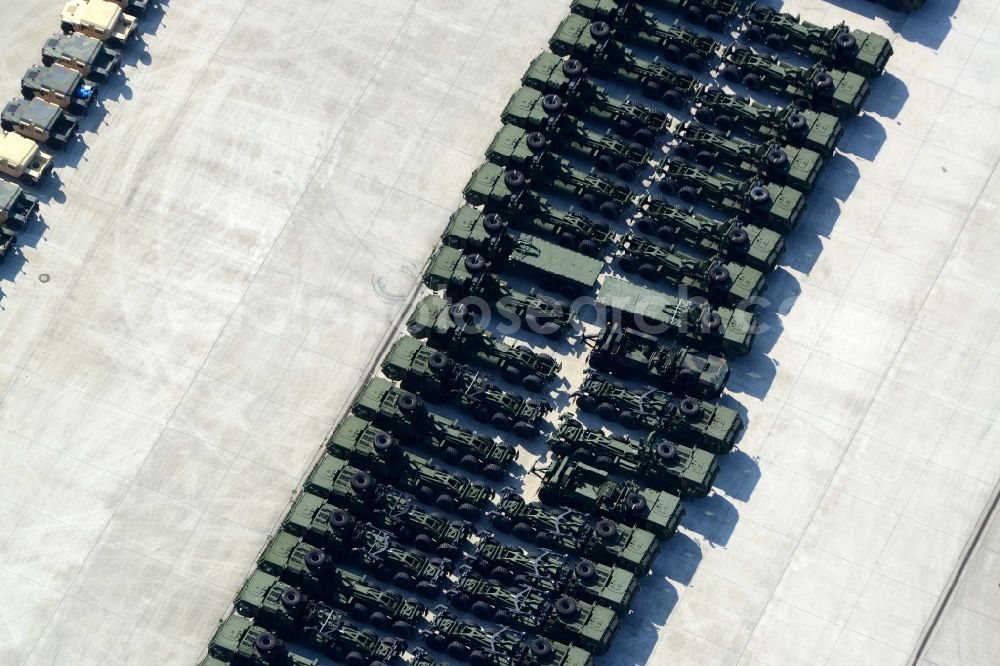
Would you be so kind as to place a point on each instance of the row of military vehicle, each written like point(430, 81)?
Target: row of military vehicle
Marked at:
point(55, 95)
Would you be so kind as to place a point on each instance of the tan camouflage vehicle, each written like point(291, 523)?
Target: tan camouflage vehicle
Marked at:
point(100, 19)
point(21, 158)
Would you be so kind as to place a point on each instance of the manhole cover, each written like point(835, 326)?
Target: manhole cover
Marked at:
point(44, 277)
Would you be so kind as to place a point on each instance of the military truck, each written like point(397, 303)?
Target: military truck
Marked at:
point(726, 329)
point(391, 509)
point(450, 271)
point(21, 158)
point(590, 626)
point(421, 658)
point(91, 57)
point(785, 164)
point(554, 574)
point(307, 566)
point(684, 419)
point(61, 86)
point(627, 352)
point(735, 239)
point(659, 462)
point(573, 483)
point(529, 109)
point(861, 52)
point(480, 646)
point(529, 211)
point(592, 43)
point(100, 19)
point(451, 329)
point(815, 130)
point(555, 268)
point(16, 208)
point(433, 375)
point(239, 642)
point(525, 165)
point(280, 607)
point(629, 20)
point(566, 88)
point(722, 282)
point(38, 120)
point(404, 415)
point(834, 90)
point(604, 540)
point(779, 207)
point(450, 491)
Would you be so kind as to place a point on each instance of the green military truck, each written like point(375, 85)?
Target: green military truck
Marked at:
point(533, 112)
point(91, 57)
point(726, 329)
point(62, 86)
point(629, 20)
point(239, 642)
point(687, 420)
point(565, 88)
point(816, 130)
point(529, 211)
point(592, 44)
point(461, 275)
point(786, 164)
point(402, 414)
point(750, 244)
point(554, 574)
point(602, 540)
point(721, 282)
point(391, 509)
point(834, 90)
point(434, 376)
point(577, 622)
point(280, 607)
point(861, 52)
point(575, 484)
point(777, 206)
point(481, 646)
point(657, 461)
point(626, 352)
point(451, 329)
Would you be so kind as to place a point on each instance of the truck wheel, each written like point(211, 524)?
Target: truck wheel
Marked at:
point(635, 503)
point(355, 659)
point(673, 99)
point(737, 236)
point(291, 598)
point(684, 149)
point(732, 73)
point(545, 540)
point(494, 472)
point(649, 272)
point(673, 53)
point(610, 210)
point(710, 321)
point(315, 558)
point(752, 81)
point(493, 223)
point(536, 141)
point(502, 574)
point(667, 233)
point(532, 383)
point(565, 607)
point(339, 519)
point(379, 620)
point(669, 185)
point(715, 23)
point(606, 529)
point(447, 550)
point(475, 263)
point(605, 163)
point(524, 532)
point(425, 494)
point(450, 454)
point(666, 450)
point(358, 611)
point(6, 126)
point(458, 650)
point(403, 580)
point(424, 543)
point(572, 68)
point(644, 136)
point(630, 420)
point(479, 658)
point(688, 194)
point(483, 610)
point(67, 28)
point(625, 171)
point(470, 462)
point(501, 522)
point(383, 442)
point(409, 402)
point(652, 90)
point(585, 569)
point(515, 180)
point(402, 629)
point(552, 103)
point(694, 14)
point(607, 411)
point(759, 196)
point(600, 30)
point(694, 61)
point(589, 201)
point(500, 421)
point(360, 481)
point(605, 462)
point(525, 431)
point(436, 642)
point(646, 226)
point(724, 122)
point(822, 81)
point(439, 360)
point(540, 648)
point(689, 406)
point(468, 511)
point(628, 263)
point(446, 502)
point(796, 122)
point(844, 42)
point(777, 159)
point(461, 601)
point(755, 33)
point(719, 274)
point(586, 404)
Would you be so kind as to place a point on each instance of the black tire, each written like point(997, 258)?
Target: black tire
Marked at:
point(606, 529)
point(724, 122)
point(524, 430)
point(483, 610)
point(688, 193)
point(759, 196)
point(6, 126)
point(732, 73)
point(605, 163)
point(540, 648)
point(383, 441)
point(500, 421)
point(361, 481)
point(585, 569)
point(468, 511)
point(436, 642)
point(408, 402)
point(630, 420)
point(694, 61)
point(635, 503)
point(565, 607)
point(605, 462)
point(265, 642)
point(684, 150)
point(845, 42)
point(703, 114)
point(403, 580)
point(644, 136)
point(425, 494)
point(589, 201)
point(673, 99)
point(628, 263)
point(610, 210)
point(567, 239)
point(427, 590)
point(494, 472)
point(689, 406)
point(48, 61)
point(667, 233)
point(461, 601)
point(719, 275)
point(379, 620)
point(532, 383)
point(470, 462)
point(737, 236)
point(754, 33)
point(291, 598)
point(447, 550)
point(673, 53)
point(475, 263)
point(502, 574)
point(625, 171)
point(705, 158)
point(669, 185)
point(536, 141)
point(450, 454)
point(646, 226)
point(777, 159)
point(402, 629)
point(652, 90)
point(315, 558)
point(588, 247)
point(514, 179)
point(425, 543)
point(666, 450)
point(752, 81)
point(355, 659)
point(775, 41)
point(459, 313)
point(552, 103)
point(715, 22)
point(624, 127)
point(511, 374)
point(446, 502)
point(27, 93)
point(524, 532)
point(573, 68)
point(649, 272)
point(694, 13)
point(502, 523)
point(358, 611)
point(600, 30)
point(607, 411)
point(796, 122)
point(493, 223)
point(479, 658)
point(339, 519)
point(586, 403)
point(67, 28)
point(822, 81)
point(458, 650)
point(710, 321)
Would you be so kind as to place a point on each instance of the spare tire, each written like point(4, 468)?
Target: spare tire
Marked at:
point(265, 642)
point(689, 406)
point(565, 607)
point(600, 30)
point(822, 80)
point(408, 402)
point(552, 103)
point(475, 263)
point(777, 158)
point(540, 648)
point(459, 313)
point(759, 196)
point(382, 441)
point(710, 321)
point(666, 450)
point(291, 598)
point(361, 480)
point(315, 558)
point(536, 140)
point(635, 503)
point(438, 361)
point(572, 68)
point(606, 529)
point(493, 223)
point(737, 236)
point(718, 274)
point(514, 179)
point(796, 122)
point(339, 518)
point(585, 569)
point(845, 41)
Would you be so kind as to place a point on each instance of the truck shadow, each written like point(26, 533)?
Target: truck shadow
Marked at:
point(927, 26)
